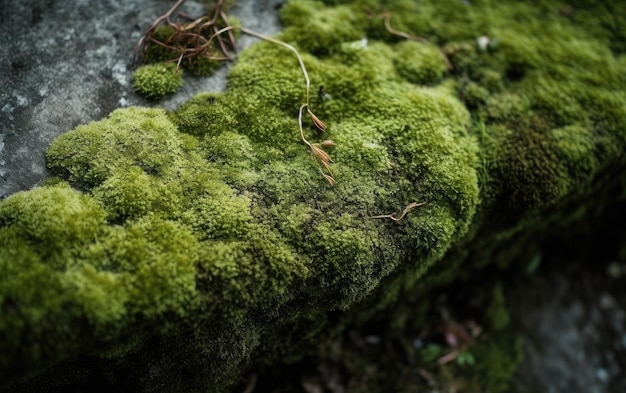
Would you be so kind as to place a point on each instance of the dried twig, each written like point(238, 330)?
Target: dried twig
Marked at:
point(192, 40)
point(387, 18)
point(406, 210)
point(319, 155)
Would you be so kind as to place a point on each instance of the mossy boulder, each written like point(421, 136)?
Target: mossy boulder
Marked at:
point(186, 242)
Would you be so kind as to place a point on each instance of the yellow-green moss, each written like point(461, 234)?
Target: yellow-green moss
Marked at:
point(419, 63)
point(157, 80)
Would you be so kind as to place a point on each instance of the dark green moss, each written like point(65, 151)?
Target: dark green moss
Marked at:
point(157, 53)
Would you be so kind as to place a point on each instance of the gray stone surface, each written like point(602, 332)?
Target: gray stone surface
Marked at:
point(573, 322)
point(69, 62)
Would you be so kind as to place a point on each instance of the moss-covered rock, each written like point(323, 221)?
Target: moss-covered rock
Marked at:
point(211, 232)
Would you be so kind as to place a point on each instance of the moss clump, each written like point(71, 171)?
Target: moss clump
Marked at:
point(93, 278)
point(419, 63)
point(158, 80)
point(131, 138)
point(158, 53)
point(320, 30)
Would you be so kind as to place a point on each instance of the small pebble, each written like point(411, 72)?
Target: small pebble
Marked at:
point(372, 339)
point(602, 375)
point(607, 302)
point(614, 270)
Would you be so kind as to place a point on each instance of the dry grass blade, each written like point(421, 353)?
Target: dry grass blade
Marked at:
point(329, 178)
point(148, 34)
point(318, 123)
point(387, 18)
point(319, 155)
point(406, 210)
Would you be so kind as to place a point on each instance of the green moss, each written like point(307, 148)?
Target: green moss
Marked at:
point(216, 214)
point(213, 210)
point(91, 281)
point(237, 275)
point(155, 261)
point(321, 30)
point(135, 137)
point(49, 219)
point(496, 363)
point(158, 80)
point(202, 66)
point(419, 63)
point(126, 195)
point(497, 313)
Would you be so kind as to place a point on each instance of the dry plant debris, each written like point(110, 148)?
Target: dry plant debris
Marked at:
point(387, 17)
point(203, 38)
point(406, 210)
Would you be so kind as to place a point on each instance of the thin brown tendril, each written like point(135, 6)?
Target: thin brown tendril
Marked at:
point(406, 210)
point(387, 18)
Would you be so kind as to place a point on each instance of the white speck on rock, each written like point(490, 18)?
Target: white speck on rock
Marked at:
point(8, 109)
point(120, 73)
point(21, 100)
point(602, 375)
point(607, 302)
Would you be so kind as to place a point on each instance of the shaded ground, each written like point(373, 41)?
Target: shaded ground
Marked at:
point(569, 311)
point(572, 314)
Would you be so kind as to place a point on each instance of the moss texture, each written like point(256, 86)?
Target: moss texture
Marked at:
point(157, 80)
point(208, 234)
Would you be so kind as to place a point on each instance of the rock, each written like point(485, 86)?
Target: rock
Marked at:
point(71, 62)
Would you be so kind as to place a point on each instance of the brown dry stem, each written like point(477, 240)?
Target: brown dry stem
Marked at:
point(321, 157)
point(406, 210)
point(193, 40)
point(387, 17)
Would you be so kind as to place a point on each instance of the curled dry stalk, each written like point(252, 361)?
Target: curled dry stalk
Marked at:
point(191, 41)
point(387, 17)
point(202, 38)
point(406, 210)
point(319, 155)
